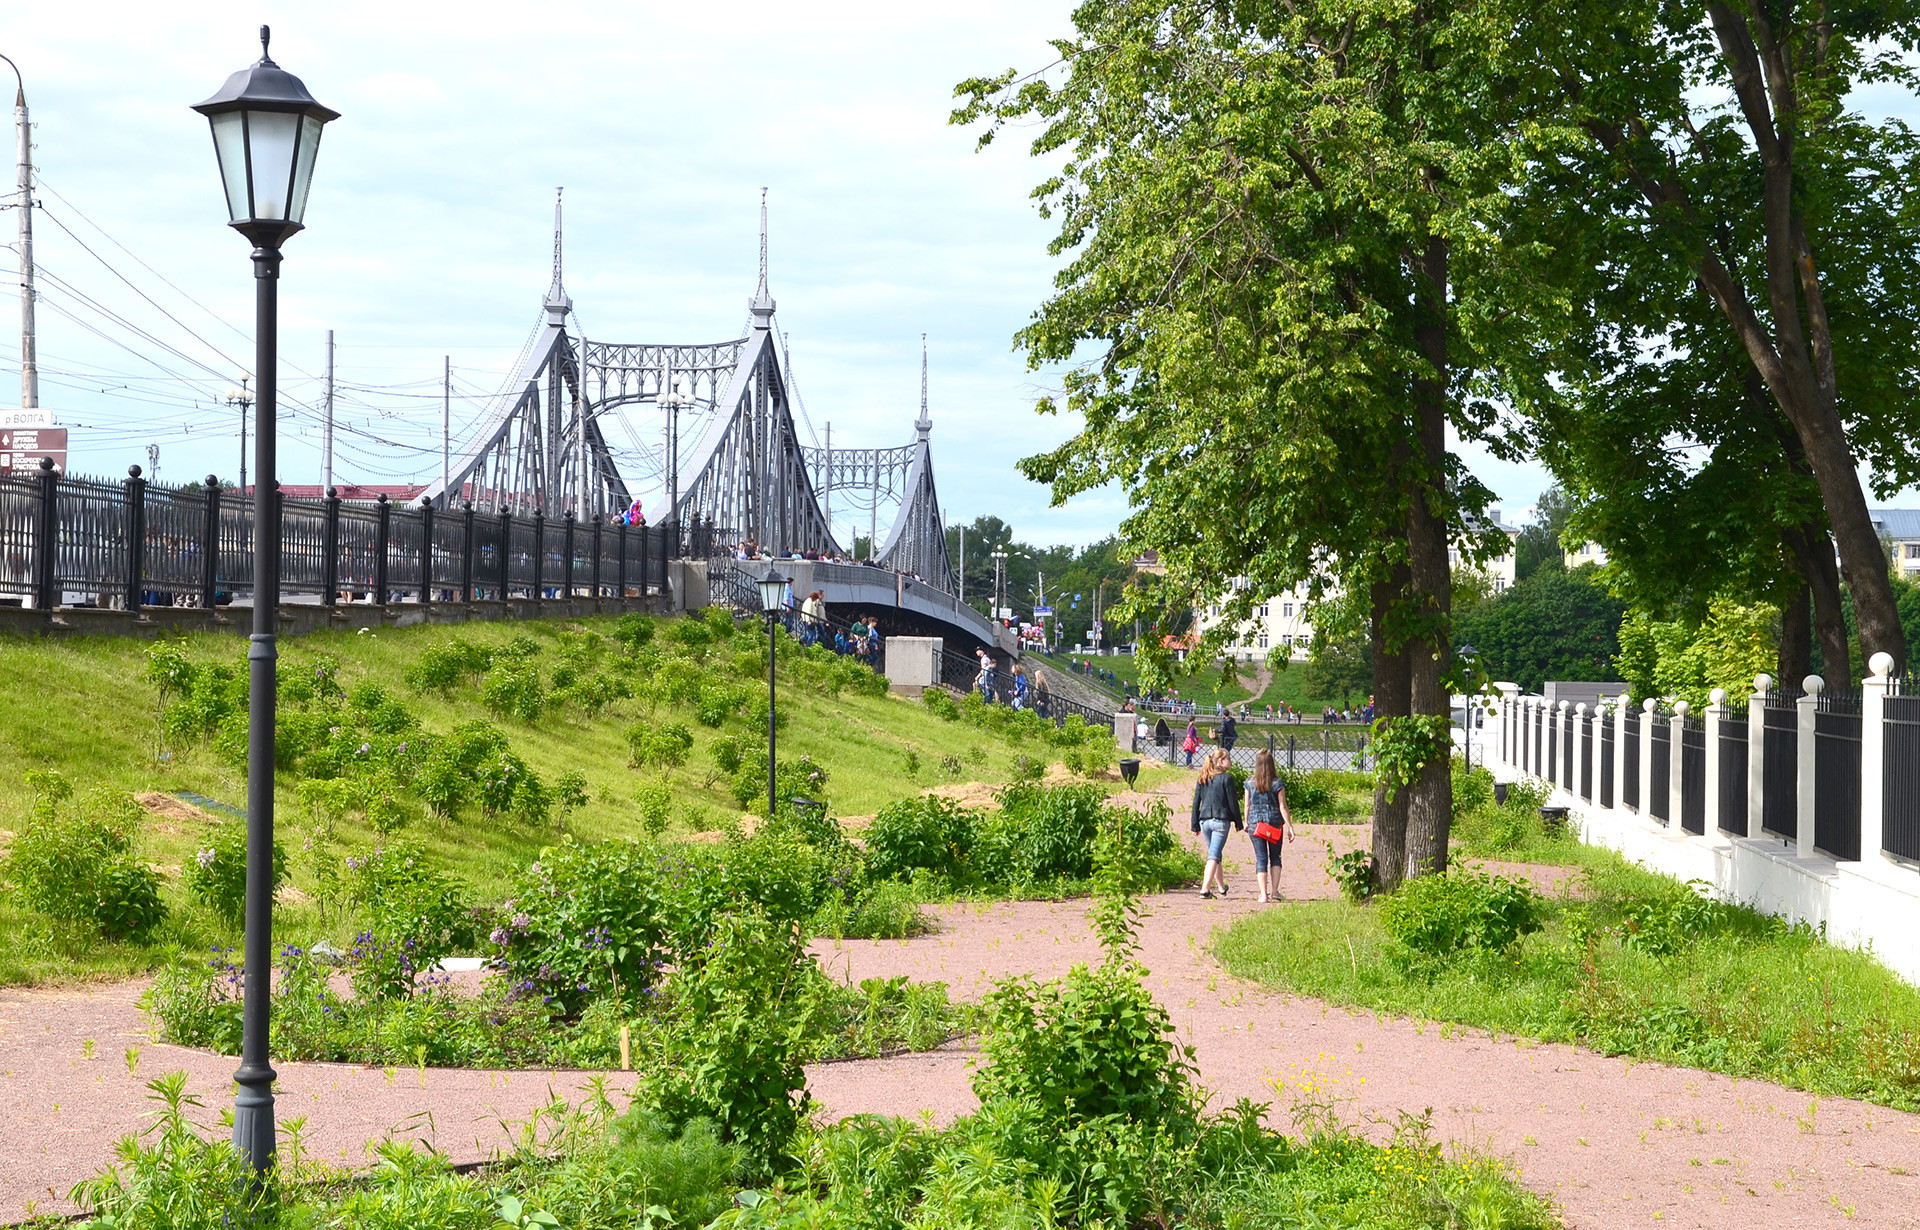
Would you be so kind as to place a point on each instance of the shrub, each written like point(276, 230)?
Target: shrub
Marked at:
point(1304, 792)
point(450, 770)
point(941, 704)
point(1432, 917)
point(511, 687)
point(726, 753)
point(216, 875)
point(663, 747)
point(633, 630)
point(1353, 872)
point(81, 867)
point(507, 787)
point(798, 778)
point(1056, 828)
point(438, 668)
point(656, 805)
point(718, 702)
point(585, 920)
point(923, 833)
point(413, 912)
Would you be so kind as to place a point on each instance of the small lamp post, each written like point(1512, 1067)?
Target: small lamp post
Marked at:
point(773, 602)
point(266, 131)
point(1467, 654)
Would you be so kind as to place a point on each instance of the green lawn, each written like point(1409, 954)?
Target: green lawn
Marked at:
point(1628, 963)
point(85, 708)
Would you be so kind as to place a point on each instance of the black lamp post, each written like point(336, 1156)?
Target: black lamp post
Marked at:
point(1467, 654)
point(773, 601)
point(266, 131)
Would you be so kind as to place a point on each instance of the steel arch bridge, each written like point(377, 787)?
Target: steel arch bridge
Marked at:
point(543, 446)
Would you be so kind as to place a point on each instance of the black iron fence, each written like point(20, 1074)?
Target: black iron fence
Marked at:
point(1539, 739)
point(1566, 747)
point(1693, 774)
point(1660, 768)
point(1730, 809)
point(1586, 760)
point(1606, 758)
point(68, 541)
point(1836, 774)
point(1779, 765)
point(1900, 769)
point(1630, 752)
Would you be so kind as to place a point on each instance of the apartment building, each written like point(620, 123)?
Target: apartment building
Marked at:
point(1900, 527)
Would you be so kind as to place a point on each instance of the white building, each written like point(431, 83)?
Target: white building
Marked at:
point(1901, 528)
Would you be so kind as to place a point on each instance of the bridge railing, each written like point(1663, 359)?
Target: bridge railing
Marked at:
point(67, 541)
point(962, 674)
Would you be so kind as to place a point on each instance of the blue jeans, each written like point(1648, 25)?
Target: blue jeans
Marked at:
point(1215, 832)
point(1264, 850)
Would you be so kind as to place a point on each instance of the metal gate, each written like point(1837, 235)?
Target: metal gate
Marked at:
point(1900, 769)
point(1731, 807)
point(1836, 774)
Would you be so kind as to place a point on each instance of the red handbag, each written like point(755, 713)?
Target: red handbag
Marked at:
point(1267, 832)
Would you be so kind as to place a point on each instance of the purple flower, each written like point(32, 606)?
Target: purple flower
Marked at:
point(204, 858)
point(522, 923)
point(499, 937)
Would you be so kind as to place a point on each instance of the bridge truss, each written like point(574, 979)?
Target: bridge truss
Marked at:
point(747, 477)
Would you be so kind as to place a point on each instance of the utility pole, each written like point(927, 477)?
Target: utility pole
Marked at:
point(446, 426)
point(243, 399)
point(23, 134)
point(153, 463)
point(826, 491)
point(326, 438)
point(963, 563)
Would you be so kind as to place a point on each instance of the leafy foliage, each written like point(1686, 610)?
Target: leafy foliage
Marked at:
point(216, 875)
point(80, 866)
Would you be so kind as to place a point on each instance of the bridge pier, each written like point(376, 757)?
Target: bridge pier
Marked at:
point(913, 664)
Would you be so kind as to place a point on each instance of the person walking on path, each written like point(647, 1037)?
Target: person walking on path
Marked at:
point(1216, 812)
point(985, 682)
point(1229, 734)
point(1042, 695)
point(1191, 743)
point(1268, 821)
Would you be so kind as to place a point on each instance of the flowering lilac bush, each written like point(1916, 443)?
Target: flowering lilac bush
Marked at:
point(587, 921)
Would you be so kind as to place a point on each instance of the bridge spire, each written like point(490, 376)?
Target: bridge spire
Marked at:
point(925, 425)
point(558, 303)
point(762, 305)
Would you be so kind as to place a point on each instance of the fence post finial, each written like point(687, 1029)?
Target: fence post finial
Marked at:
point(1763, 682)
point(1813, 685)
point(1880, 665)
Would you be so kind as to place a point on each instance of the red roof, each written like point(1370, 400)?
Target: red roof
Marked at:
point(403, 493)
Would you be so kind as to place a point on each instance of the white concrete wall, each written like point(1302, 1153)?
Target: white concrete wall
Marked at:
point(1872, 904)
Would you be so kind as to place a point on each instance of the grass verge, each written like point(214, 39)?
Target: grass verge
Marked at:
point(1628, 963)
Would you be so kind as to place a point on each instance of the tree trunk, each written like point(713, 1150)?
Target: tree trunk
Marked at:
point(1429, 650)
point(1814, 551)
point(1390, 700)
point(1796, 639)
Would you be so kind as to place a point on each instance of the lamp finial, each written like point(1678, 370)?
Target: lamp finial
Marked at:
point(266, 36)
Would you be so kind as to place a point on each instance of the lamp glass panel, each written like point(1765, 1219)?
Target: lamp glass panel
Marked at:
point(303, 166)
point(271, 138)
point(230, 145)
point(773, 593)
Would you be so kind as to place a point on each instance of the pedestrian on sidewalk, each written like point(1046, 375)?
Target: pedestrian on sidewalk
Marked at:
point(1268, 821)
point(1191, 743)
point(1216, 812)
point(1229, 734)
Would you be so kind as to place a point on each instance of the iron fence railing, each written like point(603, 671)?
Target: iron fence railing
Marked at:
point(76, 541)
point(1606, 759)
point(1836, 774)
point(1730, 808)
point(1630, 753)
point(1900, 769)
point(1660, 768)
point(1586, 762)
point(1539, 735)
point(1693, 774)
point(1779, 765)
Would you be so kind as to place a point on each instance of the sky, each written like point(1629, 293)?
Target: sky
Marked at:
point(430, 225)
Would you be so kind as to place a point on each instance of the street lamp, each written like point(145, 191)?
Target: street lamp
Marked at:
point(266, 131)
point(773, 601)
point(1467, 654)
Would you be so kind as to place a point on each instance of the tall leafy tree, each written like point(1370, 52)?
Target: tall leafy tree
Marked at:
point(1717, 153)
point(1281, 275)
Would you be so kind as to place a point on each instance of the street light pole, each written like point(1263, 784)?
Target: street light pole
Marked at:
point(773, 601)
point(266, 134)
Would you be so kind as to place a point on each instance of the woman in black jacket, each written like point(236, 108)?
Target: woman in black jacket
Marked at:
point(1216, 812)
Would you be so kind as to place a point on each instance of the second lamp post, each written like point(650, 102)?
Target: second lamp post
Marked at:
point(266, 131)
point(773, 602)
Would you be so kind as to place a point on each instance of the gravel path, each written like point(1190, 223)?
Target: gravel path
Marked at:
point(1616, 1143)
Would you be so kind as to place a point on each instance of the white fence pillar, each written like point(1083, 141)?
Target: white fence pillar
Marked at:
point(1873, 758)
point(1557, 734)
point(1509, 750)
point(1811, 687)
point(1757, 753)
point(1676, 756)
point(1716, 713)
point(1647, 707)
point(1619, 719)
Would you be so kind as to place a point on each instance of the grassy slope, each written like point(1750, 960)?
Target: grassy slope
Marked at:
point(84, 707)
